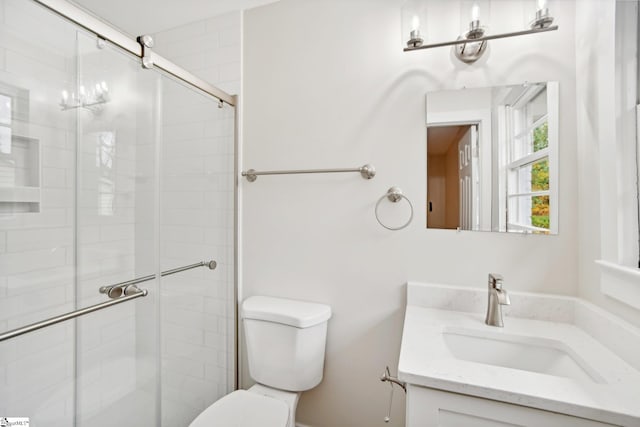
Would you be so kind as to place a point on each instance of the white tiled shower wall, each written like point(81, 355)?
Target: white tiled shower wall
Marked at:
point(197, 219)
point(209, 49)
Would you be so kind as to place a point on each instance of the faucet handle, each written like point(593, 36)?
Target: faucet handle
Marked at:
point(503, 297)
point(495, 280)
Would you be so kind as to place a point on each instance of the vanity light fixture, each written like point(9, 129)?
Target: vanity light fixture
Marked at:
point(471, 51)
point(91, 99)
point(471, 45)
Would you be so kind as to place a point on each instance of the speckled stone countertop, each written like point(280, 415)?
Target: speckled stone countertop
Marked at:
point(606, 347)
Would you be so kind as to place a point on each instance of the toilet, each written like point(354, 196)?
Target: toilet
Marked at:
point(285, 349)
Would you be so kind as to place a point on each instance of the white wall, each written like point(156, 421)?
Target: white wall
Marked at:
point(326, 84)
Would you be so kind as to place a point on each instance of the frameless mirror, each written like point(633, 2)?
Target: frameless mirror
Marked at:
point(492, 159)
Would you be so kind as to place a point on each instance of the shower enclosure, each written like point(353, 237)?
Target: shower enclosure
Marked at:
point(110, 172)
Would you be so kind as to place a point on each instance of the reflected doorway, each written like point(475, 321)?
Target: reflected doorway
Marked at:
point(452, 176)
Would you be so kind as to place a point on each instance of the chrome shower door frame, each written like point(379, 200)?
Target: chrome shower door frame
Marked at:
point(118, 38)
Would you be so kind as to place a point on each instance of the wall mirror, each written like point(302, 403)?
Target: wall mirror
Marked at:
point(492, 162)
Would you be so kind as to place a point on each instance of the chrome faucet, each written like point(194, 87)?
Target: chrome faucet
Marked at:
point(497, 298)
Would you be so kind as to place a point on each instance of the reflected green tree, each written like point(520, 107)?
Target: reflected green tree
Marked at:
point(540, 179)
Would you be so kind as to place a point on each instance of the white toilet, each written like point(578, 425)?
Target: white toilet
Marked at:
point(285, 348)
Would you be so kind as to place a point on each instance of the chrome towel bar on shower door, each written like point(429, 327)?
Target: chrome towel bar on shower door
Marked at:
point(134, 292)
point(119, 293)
point(117, 289)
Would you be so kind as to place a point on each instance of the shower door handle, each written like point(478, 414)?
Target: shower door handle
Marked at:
point(132, 292)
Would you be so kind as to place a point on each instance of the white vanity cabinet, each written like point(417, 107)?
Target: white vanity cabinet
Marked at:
point(428, 407)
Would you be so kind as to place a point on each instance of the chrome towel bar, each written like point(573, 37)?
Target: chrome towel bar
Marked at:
point(134, 292)
point(367, 172)
point(116, 290)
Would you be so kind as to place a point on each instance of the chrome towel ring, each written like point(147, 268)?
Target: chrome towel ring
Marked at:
point(394, 194)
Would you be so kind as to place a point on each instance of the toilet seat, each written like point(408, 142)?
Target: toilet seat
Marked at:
point(244, 409)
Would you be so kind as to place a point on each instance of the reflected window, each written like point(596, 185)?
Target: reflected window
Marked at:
point(7, 163)
point(5, 124)
point(527, 170)
point(105, 162)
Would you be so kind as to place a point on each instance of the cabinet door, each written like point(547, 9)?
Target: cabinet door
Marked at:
point(433, 408)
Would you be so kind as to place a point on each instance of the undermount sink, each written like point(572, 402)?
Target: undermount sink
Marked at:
point(554, 354)
point(544, 356)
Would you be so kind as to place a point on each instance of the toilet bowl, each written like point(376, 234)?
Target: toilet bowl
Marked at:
point(285, 349)
point(244, 409)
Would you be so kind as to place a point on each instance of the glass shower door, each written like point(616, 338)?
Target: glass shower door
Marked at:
point(117, 149)
point(196, 224)
point(78, 210)
point(110, 172)
point(37, 214)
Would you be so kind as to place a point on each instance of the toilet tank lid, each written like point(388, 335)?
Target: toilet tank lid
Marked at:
point(300, 314)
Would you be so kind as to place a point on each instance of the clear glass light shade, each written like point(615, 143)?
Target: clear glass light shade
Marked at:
point(414, 23)
point(540, 13)
point(474, 17)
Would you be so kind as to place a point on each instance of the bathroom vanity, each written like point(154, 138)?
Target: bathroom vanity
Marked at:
point(558, 361)
point(428, 407)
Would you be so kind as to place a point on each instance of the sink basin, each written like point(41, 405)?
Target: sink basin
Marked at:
point(556, 354)
point(549, 357)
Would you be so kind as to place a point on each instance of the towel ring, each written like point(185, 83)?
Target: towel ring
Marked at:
point(394, 194)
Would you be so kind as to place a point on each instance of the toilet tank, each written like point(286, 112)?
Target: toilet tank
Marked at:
point(285, 341)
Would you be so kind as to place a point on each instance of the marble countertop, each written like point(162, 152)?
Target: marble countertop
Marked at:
point(611, 395)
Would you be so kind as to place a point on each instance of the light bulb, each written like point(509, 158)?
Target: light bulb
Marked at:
point(475, 12)
point(65, 96)
point(415, 39)
point(415, 23)
point(542, 4)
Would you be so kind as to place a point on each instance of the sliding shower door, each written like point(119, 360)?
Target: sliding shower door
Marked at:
point(196, 224)
point(78, 210)
point(116, 221)
point(37, 213)
point(110, 172)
